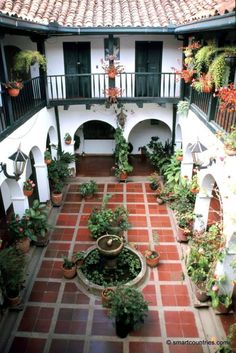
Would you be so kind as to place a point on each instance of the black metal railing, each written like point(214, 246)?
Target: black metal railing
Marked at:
point(130, 85)
point(31, 98)
point(224, 118)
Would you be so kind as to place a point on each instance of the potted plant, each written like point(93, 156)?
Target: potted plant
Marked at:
point(179, 155)
point(183, 108)
point(229, 140)
point(203, 84)
point(47, 157)
point(227, 97)
point(112, 93)
point(194, 184)
point(28, 187)
point(128, 308)
point(152, 257)
point(13, 88)
point(68, 268)
point(106, 296)
point(184, 223)
point(21, 232)
point(25, 58)
point(154, 179)
point(112, 69)
point(67, 139)
point(88, 189)
point(143, 151)
point(78, 258)
point(12, 266)
point(38, 216)
point(57, 172)
point(122, 166)
point(103, 220)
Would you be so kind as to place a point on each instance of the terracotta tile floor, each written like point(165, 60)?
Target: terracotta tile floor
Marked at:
point(60, 317)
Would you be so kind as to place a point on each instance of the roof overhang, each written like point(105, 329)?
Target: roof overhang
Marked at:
point(53, 29)
point(227, 21)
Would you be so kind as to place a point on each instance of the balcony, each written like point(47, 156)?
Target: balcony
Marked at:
point(133, 87)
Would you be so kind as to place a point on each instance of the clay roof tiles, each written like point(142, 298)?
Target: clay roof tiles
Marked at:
point(115, 13)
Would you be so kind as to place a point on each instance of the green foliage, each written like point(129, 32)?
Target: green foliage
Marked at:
point(121, 154)
point(21, 227)
point(67, 263)
point(127, 268)
point(128, 304)
point(183, 108)
point(12, 266)
point(38, 216)
point(67, 137)
point(159, 154)
point(89, 188)
point(172, 173)
point(58, 172)
point(66, 157)
point(203, 58)
point(219, 71)
point(104, 220)
point(25, 58)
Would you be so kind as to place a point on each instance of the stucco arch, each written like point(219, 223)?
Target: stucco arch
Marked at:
point(143, 130)
point(178, 137)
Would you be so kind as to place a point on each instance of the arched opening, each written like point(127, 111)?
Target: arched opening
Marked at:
point(215, 213)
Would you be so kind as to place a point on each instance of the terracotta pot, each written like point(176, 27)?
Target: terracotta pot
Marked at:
point(230, 152)
point(69, 273)
point(106, 296)
point(13, 92)
point(194, 191)
point(67, 142)
point(221, 308)
point(13, 300)
point(179, 158)
point(153, 262)
point(41, 241)
point(56, 199)
point(201, 292)
point(28, 192)
point(123, 176)
point(47, 161)
point(112, 74)
point(23, 244)
point(182, 236)
point(159, 201)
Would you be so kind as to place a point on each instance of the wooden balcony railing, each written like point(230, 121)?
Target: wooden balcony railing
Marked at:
point(132, 86)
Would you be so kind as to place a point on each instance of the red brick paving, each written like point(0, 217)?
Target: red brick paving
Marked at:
point(61, 307)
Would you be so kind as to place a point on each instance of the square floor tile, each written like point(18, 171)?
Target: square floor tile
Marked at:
point(102, 325)
point(71, 321)
point(66, 220)
point(151, 326)
point(170, 272)
point(27, 345)
point(105, 347)
point(138, 235)
point(138, 198)
point(62, 234)
point(66, 346)
point(71, 207)
point(145, 347)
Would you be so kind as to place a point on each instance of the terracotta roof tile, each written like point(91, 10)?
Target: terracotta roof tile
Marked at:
point(115, 13)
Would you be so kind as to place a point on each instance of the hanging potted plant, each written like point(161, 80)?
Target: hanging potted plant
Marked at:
point(28, 187)
point(194, 185)
point(229, 140)
point(25, 58)
point(203, 84)
point(112, 93)
point(13, 88)
point(47, 157)
point(113, 69)
point(67, 139)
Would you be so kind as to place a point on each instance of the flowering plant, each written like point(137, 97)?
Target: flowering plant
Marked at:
point(112, 69)
point(203, 84)
point(194, 184)
point(112, 93)
point(228, 138)
point(29, 185)
point(13, 85)
point(227, 97)
point(20, 227)
point(186, 74)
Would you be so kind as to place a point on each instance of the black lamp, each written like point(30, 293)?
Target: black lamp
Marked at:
point(197, 148)
point(19, 160)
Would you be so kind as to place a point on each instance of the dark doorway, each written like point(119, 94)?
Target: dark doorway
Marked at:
point(77, 61)
point(148, 58)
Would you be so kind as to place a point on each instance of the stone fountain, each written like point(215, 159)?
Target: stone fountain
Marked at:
point(109, 246)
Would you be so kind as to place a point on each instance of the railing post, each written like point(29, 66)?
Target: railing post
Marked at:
point(42, 73)
point(212, 108)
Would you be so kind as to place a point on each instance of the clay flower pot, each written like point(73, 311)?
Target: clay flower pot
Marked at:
point(27, 192)
point(152, 258)
point(106, 296)
point(69, 272)
point(13, 92)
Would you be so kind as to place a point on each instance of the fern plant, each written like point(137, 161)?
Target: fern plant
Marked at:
point(25, 58)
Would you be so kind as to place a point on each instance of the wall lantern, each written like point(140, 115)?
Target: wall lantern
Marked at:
point(19, 160)
point(196, 149)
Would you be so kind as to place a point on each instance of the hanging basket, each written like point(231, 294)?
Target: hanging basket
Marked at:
point(13, 92)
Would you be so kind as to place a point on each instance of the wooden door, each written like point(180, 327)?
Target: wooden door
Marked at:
point(148, 60)
point(77, 61)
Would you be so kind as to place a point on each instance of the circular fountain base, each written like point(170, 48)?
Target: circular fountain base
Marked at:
point(95, 288)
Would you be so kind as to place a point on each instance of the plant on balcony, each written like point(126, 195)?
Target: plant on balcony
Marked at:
point(28, 187)
point(227, 97)
point(25, 58)
point(229, 140)
point(112, 69)
point(183, 108)
point(67, 138)
point(203, 84)
point(13, 87)
point(219, 71)
point(112, 93)
point(186, 74)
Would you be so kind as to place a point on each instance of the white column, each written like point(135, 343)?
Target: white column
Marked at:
point(20, 204)
point(70, 148)
point(202, 205)
point(186, 169)
point(42, 182)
